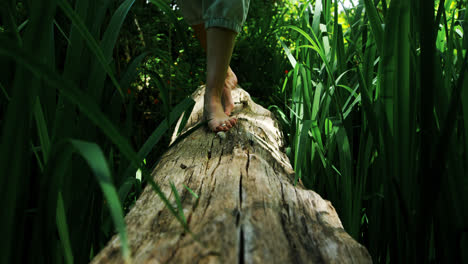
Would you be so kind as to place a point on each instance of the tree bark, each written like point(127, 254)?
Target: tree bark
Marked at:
point(248, 210)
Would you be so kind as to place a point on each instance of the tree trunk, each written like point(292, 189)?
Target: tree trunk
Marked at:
point(248, 210)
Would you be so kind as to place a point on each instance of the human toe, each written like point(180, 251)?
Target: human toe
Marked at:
point(221, 128)
point(233, 121)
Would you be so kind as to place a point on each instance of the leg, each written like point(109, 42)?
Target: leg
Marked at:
point(220, 43)
point(227, 14)
point(231, 78)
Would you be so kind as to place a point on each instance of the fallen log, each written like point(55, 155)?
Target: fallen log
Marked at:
point(248, 210)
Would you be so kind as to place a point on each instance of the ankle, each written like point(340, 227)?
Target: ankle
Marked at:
point(212, 99)
point(213, 94)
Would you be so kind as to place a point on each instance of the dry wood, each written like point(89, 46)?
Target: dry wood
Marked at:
point(248, 210)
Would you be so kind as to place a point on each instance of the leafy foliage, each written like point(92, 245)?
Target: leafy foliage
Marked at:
point(59, 73)
point(376, 124)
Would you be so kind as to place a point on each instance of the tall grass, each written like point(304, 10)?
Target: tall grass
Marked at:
point(377, 116)
point(66, 160)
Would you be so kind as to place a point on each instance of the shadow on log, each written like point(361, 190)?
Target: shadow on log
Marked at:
point(248, 210)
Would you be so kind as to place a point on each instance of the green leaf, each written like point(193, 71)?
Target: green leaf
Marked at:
point(84, 103)
point(291, 58)
point(132, 70)
point(62, 228)
point(376, 23)
point(90, 41)
point(186, 105)
point(190, 190)
point(113, 29)
point(5, 92)
point(96, 160)
point(316, 102)
point(61, 32)
point(42, 130)
point(300, 149)
point(180, 208)
point(107, 46)
point(317, 14)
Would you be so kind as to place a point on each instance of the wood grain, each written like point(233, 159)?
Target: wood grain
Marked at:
point(248, 210)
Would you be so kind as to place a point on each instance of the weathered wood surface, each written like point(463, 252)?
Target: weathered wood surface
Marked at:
point(248, 210)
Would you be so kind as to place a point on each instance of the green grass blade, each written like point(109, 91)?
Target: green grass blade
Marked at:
point(306, 91)
point(300, 149)
point(113, 29)
point(376, 23)
point(180, 208)
point(78, 54)
point(464, 99)
point(282, 118)
point(20, 27)
point(346, 188)
point(190, 190)
point(367, 106)
point(186, 105)
point(316, 102)
point(38, 158)
point(42, 130)
point(335, 30)
point(291, 58)
point(164, 91)
point(317, 47)
point(131, 71)
point(62, 229)
point(340, 51)
point(61, 32)
point(183, 106)
point(317, 136)
point(107, 45)
point(5, 92)
point(184, 120)
point(10, 21)
point(15, 156)
point(90, 41)
point(96, 160)
point(69, 90)
point(84, 103)
point(317, 15)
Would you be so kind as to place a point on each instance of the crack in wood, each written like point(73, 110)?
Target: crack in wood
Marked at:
point(292, 244)
point(240, 185)
point(209, 199)
point(285, 204)
point(173, 252)
point(248, 163)
point(211, 148)
point(241, 246)
point(209, 156)
point(304, 213)
point(214, 184)
point(241, 251)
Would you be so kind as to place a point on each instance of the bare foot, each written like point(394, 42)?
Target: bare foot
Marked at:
point(229, 84)
point(213, 113)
